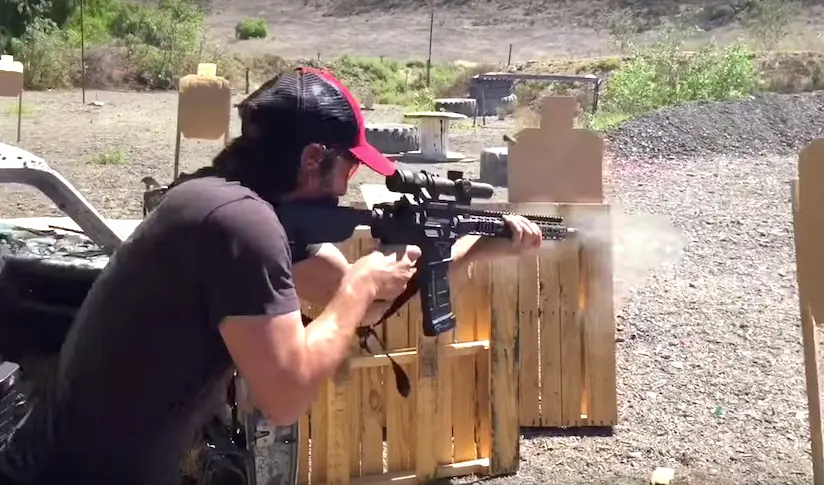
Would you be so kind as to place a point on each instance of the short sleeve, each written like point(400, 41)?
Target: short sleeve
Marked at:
point(250, 263)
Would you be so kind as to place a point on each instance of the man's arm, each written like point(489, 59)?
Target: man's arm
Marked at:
point(317, 278)
point(252, 296)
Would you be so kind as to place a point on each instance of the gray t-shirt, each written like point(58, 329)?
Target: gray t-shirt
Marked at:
point(144, 365)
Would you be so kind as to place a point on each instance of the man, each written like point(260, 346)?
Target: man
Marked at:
point(208, 282)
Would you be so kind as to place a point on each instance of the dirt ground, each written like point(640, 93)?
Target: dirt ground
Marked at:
point(478, 31)
point(104, 151)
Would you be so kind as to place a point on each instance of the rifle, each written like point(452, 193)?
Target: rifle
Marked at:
point(428, 221)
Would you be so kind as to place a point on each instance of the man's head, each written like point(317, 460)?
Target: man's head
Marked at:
point(308, 131)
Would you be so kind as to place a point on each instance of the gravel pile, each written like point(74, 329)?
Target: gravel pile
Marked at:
point(757, 126)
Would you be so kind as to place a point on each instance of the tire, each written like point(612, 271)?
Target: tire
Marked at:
point(494, 166)
point(393, 138)
point(464, 106)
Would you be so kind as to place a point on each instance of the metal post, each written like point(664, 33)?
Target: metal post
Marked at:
point(509, 57)
point(19, 114)
point(431, 29)
point(82, 51)
point(178, 136)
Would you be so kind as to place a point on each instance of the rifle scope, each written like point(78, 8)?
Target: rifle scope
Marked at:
point(408, 182)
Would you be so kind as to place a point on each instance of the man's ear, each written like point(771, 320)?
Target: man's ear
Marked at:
point(312, 156)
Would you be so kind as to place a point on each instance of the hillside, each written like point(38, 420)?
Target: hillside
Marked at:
point(479, 30)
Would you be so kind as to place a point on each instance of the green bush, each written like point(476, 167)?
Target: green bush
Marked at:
point(47, 57)
point(163, 43)
point(395, 82)
point(663, 75)
point(251, 29)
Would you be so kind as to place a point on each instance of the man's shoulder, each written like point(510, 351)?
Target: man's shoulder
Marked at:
point(206, 197)
point(211, 190)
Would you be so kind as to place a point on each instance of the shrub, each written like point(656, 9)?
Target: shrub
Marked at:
point(769, 21)
point(254, 28)
point(47, 57)
point(163, 43)
point(395, 82)
point(663, 75)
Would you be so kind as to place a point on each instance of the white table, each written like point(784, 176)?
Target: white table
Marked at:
point(434, 137)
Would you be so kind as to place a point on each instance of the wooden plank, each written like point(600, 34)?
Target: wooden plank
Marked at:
point(550, 311)
point(303, 459)
point(483, 316)
point(504, 366)
point(399, 417)
point(809, 335)
point(407, 477)
point(372, 419)
point(410, 356)
point(372, 391)
point(426, 394)
point(352, 250)
point(443, 446)
point(598, 322)
point(337, 461)
point(809, 231)
point(320, 434)
point(571, 334)
point(463, 380)
point(529, 367)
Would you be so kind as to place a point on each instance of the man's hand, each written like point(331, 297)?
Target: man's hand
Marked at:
point(386, 271)
point(526, 239)
point(526, 235)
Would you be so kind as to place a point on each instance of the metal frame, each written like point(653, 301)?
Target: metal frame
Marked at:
point(556, 78)
point(18, 166)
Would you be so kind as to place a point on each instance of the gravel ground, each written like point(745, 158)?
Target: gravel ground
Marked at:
point(771, 124)
point(711, 381)
point(709, 355)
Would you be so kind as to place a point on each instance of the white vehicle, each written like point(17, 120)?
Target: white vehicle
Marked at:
point(45, 273)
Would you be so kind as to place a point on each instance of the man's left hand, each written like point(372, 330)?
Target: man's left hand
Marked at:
point(526, 239)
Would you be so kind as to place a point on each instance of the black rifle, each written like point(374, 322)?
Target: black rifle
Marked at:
point(430, 222)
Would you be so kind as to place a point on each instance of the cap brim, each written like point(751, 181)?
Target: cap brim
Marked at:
point(372, 158)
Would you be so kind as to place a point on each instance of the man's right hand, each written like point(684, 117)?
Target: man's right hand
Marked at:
point(385, 271)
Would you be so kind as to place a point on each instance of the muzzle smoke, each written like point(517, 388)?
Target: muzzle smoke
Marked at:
point(641, 244)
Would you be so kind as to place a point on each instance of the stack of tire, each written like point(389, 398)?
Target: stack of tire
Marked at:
point(493, 96)
point(463, 106)
point(393, 138)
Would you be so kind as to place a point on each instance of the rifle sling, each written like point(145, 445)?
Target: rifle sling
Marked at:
point(401, 379)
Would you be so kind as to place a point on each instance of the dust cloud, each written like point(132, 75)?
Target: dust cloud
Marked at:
point(641, 244)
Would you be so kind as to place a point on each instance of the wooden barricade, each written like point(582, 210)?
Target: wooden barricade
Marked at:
point(808, 223)
point(567, 366)
point(532, 342)
point(455, 422)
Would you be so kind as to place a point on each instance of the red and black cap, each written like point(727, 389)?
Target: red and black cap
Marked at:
point(315, 107)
